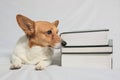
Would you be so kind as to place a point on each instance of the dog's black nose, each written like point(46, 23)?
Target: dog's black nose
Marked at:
point(64, 43)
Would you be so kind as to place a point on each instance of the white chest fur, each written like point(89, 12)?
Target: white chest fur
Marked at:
point(31, 55)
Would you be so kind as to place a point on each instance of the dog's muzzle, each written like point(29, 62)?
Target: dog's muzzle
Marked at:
point(59, 45)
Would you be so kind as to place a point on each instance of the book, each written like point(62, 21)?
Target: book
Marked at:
point(87, 50)
point(100, 61)
point(88, 56)
point(83, 38)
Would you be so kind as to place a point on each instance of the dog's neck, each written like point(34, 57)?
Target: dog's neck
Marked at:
point(31, 42)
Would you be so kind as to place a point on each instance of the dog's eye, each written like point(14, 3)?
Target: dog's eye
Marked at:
point(49, 32)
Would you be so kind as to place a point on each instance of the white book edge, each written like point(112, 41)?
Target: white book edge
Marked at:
point(87, 60)
point(86, 49)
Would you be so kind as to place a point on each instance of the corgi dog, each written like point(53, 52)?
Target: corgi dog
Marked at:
point(36, 46)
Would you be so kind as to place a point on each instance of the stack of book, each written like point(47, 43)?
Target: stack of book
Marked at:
point(87, 49)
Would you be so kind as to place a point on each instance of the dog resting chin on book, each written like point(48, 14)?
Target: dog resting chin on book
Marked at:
point(36, 46)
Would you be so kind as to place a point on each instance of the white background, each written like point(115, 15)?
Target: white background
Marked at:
point(72, 14)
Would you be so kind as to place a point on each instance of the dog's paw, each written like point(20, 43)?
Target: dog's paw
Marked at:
point(40, 67)
point(14, 67)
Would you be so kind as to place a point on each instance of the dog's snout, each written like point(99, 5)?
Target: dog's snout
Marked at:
point(63, 43)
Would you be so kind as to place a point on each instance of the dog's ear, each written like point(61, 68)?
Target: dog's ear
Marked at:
point(26, 24)
point(56, 23)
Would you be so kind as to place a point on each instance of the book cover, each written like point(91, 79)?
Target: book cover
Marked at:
point(83, 38)
point(87, 50)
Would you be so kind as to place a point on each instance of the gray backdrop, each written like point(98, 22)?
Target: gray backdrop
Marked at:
point(73, 15)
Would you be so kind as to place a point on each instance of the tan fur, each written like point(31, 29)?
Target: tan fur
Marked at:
point(37, 31)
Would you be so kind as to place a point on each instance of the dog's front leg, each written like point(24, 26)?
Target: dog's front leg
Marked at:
point(16, 62)
point(42, 64)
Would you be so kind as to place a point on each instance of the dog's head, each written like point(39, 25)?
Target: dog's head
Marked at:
point(40, 33)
